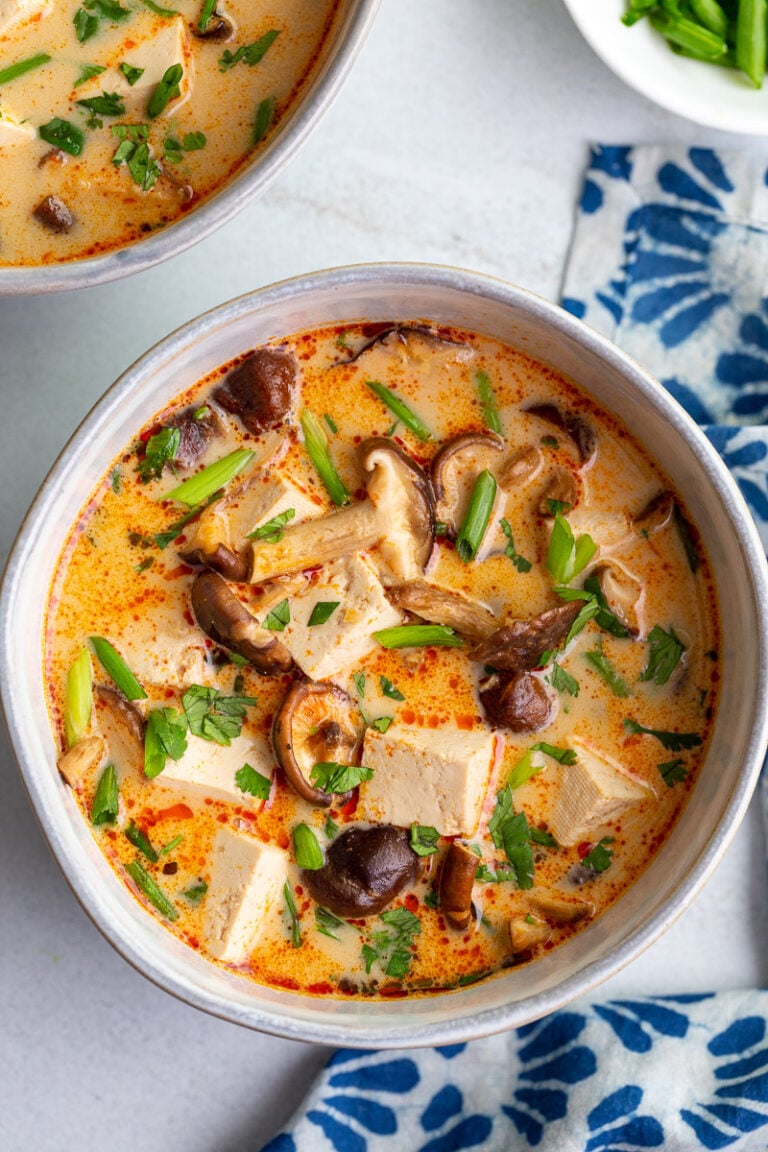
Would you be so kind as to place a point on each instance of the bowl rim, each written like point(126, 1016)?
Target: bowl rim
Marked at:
point(588, 17)
point(233, 196)
point(688, 884)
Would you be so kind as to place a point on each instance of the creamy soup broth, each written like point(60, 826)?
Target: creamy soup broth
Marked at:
point(224, 108)
point(544, 783)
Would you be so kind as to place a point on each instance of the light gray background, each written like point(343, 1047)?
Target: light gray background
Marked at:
point(461, 138)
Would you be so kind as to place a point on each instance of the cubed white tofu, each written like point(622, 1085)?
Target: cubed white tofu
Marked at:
point(12, 130)
point(258, 499)
point(175, 657)
point(13, 12)
point(156, 43)
point(590, 793)
point(208, 769)
point(432, 776)
point(325, 650)
point(246, 879)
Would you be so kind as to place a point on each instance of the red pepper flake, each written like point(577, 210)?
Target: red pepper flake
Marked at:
point(282, 840)
point(393, 991)
point(408, 716)
point(411, 902)
point(584, 849)
point(285, 982)
point(179, 570)
point(222, 818)
point(150, 432)
point(467, 723)
point(299, 890)
point(348, 810)
point(321, 989)
point(189, 617)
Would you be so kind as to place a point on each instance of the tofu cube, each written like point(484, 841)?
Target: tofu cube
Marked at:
point(246, 879)
point(329, 649)
point(208, 770)
point(175, 657)
point(13, 12)
point(258, 499)
point(156, 43)
point(432, 776)
point(12, 130)
point(590, 793)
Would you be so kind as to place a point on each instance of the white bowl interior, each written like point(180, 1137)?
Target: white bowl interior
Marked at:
point(727, 778)
point(705, 93)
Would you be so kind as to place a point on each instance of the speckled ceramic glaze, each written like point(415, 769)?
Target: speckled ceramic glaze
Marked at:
point(454, 297)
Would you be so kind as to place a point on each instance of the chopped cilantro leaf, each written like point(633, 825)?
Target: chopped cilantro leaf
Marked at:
point(339, 778)
point(214, 716)
point(248, 53)
point(195, 892)
point(672, 741)
point(382, 723)
point(162, 448)
point(601, 856)
point(327, 923)
point(424, 839)
point(519, 561)
point(322, 612)
point(606, 670)
point(672, 772)
point(131, 74)
point(164, 735)
point(87, 72)
point(562, 681)
point(277, 619)
point(250, 781)
point(665, 651)
point(388, 689)
point(272, 531)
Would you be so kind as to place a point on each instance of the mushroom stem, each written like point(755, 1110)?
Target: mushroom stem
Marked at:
point(317, 542)
point(456, 881)
point(440, 606)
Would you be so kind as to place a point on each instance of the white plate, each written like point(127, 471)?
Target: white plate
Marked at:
point(706, 93)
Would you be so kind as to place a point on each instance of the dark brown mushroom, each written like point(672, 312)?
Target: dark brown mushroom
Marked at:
point(561, 488)
point(259, 390)
point(455, 469)
point(218, 29)
point(122, 709)
point(440, 606)
point(558, 910)
point(197, 427)
point(624, 594)
point(572, 424)
point(313, 725)
point(656, 514)
point(518, 646)
point(364, 870)
point(398, 516)
point(399, 334)
point(54, 214)
point(457, 878)
point(521, 467)
point(518, 701)
point(222, 617)
point(231, 565)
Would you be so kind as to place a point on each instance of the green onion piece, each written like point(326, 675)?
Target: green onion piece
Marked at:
point(567, 556)
point(327, 923)
point(398, 408)
point(523, 770)
point(158, 10)
point(306, 849)
point(604, 668)
point(21, 67)
point(322, 612)
point(751, 39)
point(114, 665)
point(105, 801)
point(141, 841)
point(168, 89)
point(278, 618)
point(290, 904)
point(476, 518)
point(209, 7)
point(488, 401)
point(79, 698)
point(151, 890)
point(711, 16)
point(316, 444)
point(265, 114)
point(562, 755)
point(418, 636)
point(691, 36)
point(215, 476)
point(169, 847)
point(382, 723)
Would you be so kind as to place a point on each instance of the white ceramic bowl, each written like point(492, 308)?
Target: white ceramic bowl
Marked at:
point(386, 292)
point(339, 53)
point(705, 93)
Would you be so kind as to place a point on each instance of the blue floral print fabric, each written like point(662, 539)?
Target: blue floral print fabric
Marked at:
point(670, 260)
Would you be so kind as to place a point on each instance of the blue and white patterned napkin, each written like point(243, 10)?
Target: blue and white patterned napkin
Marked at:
point(670, 260)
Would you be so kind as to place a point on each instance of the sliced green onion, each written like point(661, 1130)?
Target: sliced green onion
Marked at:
point(710, 14)
point(105, 801)
point(169, 847)
point(488, 401)
point(290, 904)
point(327, 923)
point(168, 89)
point(21, 67)
point(316, 444)
point(209, 7)
point(79, 698)
point(114, 665)
point(306, 850)
point(476, 518)
point(141, 841)
point(523, 770)
point(567, 556)
point(751, 39)
point(215, 476)
point(691, 36)
point(265, 114)
point(322, 612)
point(418, 636)
point(151, 890)
point(400, 409)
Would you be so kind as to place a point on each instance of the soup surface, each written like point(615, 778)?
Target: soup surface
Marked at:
point(118, 117)
point(384, 660)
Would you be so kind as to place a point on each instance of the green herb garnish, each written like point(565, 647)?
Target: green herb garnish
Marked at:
point(114, 665)
point(382, 723)
point(476, 518)
point(165, 735)
point(61, 134)
point(388, 689)
point(169, 847)
point(168, 89)
point(151, 890)
point(214, 716)
point(330, 827)
point(331, 424)
point(665, 651)
point(141, 841)
point(264, 116)
point(161, 449)
point(290, 905)
point(418, 636)
point(248, 53)
point(488, 402)
point(163, 539)
point(322, 612)
point(567, 556)
point(393, 950)
point(326, 923)
point(195, 892)
point(250, 781)
point(78, 700)
point(339, 778)
point(519, 561)
point(199, 487)
point(606, 670)
point(306, 850)
point(424, 839)
point(672, 741)
point(131, 73)
point(21, 67)
point(316, 444)
point(106, 799)
point(562, 681)
point(278, 618)
point(399, 409)
point(272, 531)
point(601, 856)
point(562, 755)
point(108, 104)
point(673, 772)
point(546, 839)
